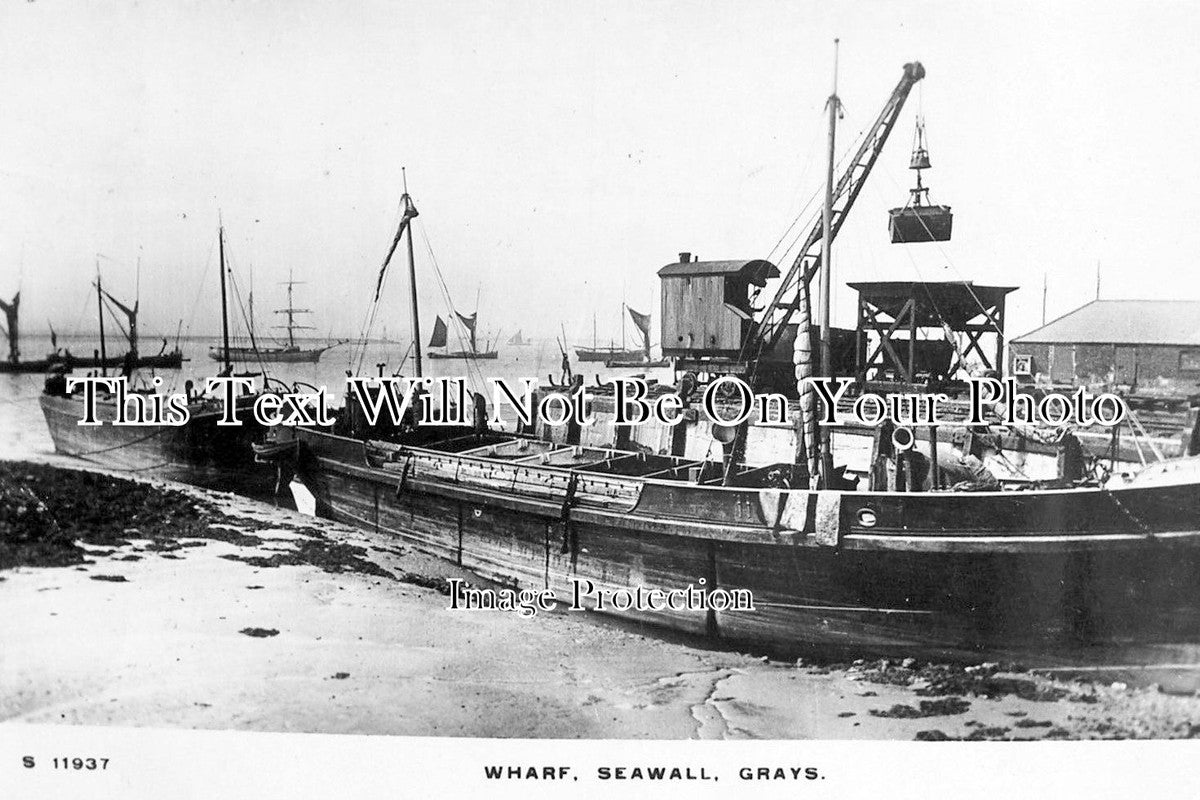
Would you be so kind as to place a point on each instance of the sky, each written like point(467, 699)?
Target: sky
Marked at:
point(560, 153)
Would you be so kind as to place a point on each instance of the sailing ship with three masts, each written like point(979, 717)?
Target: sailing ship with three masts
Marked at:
point(894, 567)
point(285, 351)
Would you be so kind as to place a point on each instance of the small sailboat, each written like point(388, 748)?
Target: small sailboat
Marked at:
point(288, 351)
point(439, 340)
point(605, 354)
point(643, 358)
point(518, 340)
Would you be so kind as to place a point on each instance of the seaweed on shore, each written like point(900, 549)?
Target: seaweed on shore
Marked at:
point(329, 556)
point(44, 510)
point(926, 708)
point(939, 680)
point(47, 512)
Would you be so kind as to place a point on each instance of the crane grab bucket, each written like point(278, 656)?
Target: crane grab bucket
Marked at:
point(920, 221)
point(914, 224)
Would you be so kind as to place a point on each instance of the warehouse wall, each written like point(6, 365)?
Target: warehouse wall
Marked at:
point(1169, 367)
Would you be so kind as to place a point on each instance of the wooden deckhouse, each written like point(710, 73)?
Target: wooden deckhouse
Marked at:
point(707, 306)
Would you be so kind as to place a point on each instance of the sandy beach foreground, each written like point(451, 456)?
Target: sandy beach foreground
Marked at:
point(158, 605)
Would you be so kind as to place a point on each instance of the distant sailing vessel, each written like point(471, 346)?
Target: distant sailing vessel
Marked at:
point(132, 359)
point(518, 340)
point(439, 340)
point(643, 359)
point(290, 352)
point(11, 330)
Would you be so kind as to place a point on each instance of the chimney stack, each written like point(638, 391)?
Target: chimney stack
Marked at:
point(685, 258)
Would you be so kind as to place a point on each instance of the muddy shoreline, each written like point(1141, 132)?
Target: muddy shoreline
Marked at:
point(139, 602)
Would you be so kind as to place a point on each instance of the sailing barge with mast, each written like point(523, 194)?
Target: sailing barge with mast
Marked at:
point(611, 352)
point(131, 359)
point(201, 442)
point(439, 340)
point(891, 568)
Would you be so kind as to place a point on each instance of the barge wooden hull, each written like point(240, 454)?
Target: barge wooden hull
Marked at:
point(934, 573)
point(200, 451)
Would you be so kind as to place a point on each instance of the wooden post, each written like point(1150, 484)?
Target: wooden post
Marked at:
point(998, 319)
point(912, 338)
point(935, 472)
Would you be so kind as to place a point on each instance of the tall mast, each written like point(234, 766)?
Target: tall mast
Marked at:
point(100, 306)
point(834, 105)
point(137, 302)
point(250, 307)
point(224, 310)
point(291, 312)
point(412, 280)
point(478, 289)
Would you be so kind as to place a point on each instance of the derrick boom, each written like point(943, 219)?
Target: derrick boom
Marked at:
point(791, 291)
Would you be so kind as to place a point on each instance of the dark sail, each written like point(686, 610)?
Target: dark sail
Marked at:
point(469, 324)
point(439, 333)
point(10, 330)
point(642, 321)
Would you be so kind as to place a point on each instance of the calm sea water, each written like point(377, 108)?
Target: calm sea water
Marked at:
point(1173, 665)
point(23, 430)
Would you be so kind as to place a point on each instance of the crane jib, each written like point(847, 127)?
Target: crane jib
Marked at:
point(808, 261)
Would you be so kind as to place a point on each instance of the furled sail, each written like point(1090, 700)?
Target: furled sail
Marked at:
point(439, 333)
point(406, 217)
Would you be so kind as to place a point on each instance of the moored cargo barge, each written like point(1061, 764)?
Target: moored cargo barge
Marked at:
point(890, 572)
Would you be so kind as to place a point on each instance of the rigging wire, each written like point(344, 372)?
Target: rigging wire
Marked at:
point(373, 309)
point(473, 362)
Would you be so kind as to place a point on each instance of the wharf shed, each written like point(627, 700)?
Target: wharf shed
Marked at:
point(1151, 345)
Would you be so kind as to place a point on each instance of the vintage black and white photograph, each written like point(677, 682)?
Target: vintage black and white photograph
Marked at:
point(606, 371)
